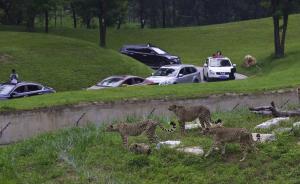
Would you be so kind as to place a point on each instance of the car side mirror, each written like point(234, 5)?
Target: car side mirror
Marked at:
point(205, 65)
point(234, 65)
point(180, 75)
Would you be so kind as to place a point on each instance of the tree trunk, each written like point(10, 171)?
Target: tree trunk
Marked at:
point(55, 18)
point(74, 16)
point(163, 6)
point(88, 22)
point(30, 23)
point(46, 21)
point(280, 31)
point(102, 22)
point(276, 36)
point(142, 14)
point(174, 22)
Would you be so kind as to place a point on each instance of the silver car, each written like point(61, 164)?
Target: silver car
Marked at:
point(119, 81)
point(174, 74)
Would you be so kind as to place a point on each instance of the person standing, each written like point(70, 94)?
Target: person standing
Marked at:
point(14, 77)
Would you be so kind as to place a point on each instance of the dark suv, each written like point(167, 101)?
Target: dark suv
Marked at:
point(150, 55)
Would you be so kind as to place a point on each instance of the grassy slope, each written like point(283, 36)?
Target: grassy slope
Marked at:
point(193, 44)
point(89, 155)
point(60, 62)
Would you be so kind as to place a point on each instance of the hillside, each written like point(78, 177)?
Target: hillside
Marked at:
point(60, 62)
point(194, 44)
point(253, 37)
point(90, 155)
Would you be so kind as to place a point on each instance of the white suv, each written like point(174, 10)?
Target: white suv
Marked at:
point(218, 68)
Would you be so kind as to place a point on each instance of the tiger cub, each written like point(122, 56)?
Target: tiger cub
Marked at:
point(136, 129)
point(140, 148)
point(222, 135)
point(188, 114)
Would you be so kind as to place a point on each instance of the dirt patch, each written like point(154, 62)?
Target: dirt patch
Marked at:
point(5, 58)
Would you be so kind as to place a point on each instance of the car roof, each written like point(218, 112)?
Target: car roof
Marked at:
point(123, 76)
point(178, 66)
point(139, 45)
point(223, 57)
point(22, 83)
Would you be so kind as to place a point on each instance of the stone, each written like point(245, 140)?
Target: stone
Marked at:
point(257, 137)
point(170, 144)
point(192, 150)
point(296, 125)
point(272, 122)
point(282, 130)
point(192, 126)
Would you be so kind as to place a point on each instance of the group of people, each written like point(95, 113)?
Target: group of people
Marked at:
point(218, 54)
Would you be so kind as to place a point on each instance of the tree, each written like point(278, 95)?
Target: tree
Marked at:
point(280, 14)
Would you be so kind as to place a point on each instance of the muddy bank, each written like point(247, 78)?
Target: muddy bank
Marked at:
point(25, 124)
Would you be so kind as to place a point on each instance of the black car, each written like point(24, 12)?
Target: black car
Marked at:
point(22, 89)
point(150, 55)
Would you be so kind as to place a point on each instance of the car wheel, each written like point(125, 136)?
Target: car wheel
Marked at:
point(208, 79)
point(196, 81)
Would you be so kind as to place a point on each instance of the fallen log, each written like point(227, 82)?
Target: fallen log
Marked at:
point(272, 110)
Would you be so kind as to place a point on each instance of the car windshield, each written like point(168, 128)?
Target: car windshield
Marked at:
point(220, 63)
point(110, 82)
point(158, 50)
point(170, 72)
point(6, 89)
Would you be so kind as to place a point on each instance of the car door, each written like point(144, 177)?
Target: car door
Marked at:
point(182, 76)
point(33, 89)
point(137, 80)
point(191, 74)
point(20, 91)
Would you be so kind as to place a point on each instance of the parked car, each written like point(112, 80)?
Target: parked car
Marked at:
point(150, 55)
point(119, 81)
point(218, 68)
point(23, 89)
point(174, 74)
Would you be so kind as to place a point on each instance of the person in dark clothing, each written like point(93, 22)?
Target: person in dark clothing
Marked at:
point(14, 77)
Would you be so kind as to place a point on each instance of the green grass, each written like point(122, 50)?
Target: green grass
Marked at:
point(193, 44)
point(90, 155)
point(60, 62)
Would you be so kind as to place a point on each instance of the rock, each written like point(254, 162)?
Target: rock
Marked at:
point(192, 126)
point(192, 150)
point(282, 130)
point(272, 122)
point(170, 144)
point(257, 137)
point(296, 125)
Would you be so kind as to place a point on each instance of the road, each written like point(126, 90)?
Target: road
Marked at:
point(238, 76)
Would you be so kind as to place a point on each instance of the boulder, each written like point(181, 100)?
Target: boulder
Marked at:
point(192, 150)
point(272, 122)
point(296, 125)
point(170, 144)
point(257, 137)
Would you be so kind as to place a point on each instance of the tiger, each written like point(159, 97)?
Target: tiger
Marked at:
point(136, 129)
point(188, 114)
point(223, 135)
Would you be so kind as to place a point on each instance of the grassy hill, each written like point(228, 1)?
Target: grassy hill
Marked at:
point(90, 155)
point(193, 44)
point(60, 62)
